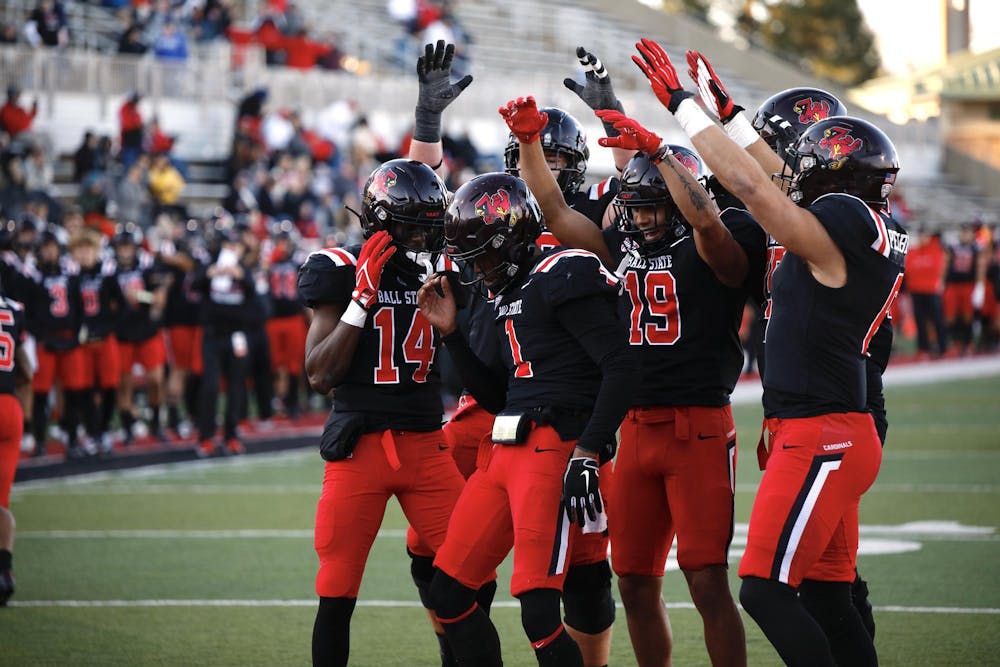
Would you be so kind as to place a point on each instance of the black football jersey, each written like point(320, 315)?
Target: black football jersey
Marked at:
point(547, 365)
point(818, 338)
point(283, 282)
point(685, 322)
point(392, 375)
point(135, 324)
point(11, 335)
point(56, 313)
point(593, 201)
point(102, 300)
point(962, 260)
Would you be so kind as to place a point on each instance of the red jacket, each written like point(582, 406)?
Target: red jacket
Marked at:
point(16, 120)
point(925, 268)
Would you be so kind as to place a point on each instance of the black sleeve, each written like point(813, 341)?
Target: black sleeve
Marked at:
point(752, 239)
point(486, 385)
point(594, 322)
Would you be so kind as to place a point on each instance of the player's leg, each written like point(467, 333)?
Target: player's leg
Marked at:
point(817, 469)
point(700, 489)
point(126, 357)
point(641, 530)
point(348, 516)
point(11, 430)
point(72, 379)
point(479, 537)
point(589, 603)
point(153, 357)
point(213, 346)
point(543, 543)
point(41, 385)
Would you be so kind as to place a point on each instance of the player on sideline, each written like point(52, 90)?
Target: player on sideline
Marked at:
point(776, 126)
point(15, 376)
point(688, 274)
point(370, 343)
point(563, 388)
point(840, 275)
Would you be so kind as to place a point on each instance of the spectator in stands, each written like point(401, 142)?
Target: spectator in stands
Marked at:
point(332, 59)
point(85, 157)
point(170, 44)
point(8, 33)
point(13, 118)
point(302, 52)
point(47, 25)
point(160, 143)
point(132, 195)
point(925, 267)
point(131, 41)
point(211, 20)
point(103, 158)
point(166, 185)
point(38, 171)
point(132, 128)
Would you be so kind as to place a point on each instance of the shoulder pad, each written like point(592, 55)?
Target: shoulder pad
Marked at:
point(598, 190)
point(575, 273)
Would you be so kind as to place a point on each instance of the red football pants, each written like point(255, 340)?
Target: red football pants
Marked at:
point(11, 429)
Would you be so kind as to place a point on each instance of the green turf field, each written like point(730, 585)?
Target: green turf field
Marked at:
point(212, 563)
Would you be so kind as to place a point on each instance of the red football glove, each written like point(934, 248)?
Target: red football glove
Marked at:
point(524, 119)
point(656, 65)
point(374, 254)
point(633, 136)
point(713, 93)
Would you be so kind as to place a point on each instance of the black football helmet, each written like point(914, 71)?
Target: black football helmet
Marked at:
point(642, 186)
point(784, 116)
point(564, 136)
point(408, 200)
point(841, 154)
point(492, 224)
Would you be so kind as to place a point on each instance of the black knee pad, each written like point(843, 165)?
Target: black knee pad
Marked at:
point(448, 597)
point(540, 613)
point(590, 607)
point(422, 571)
point(760, 595)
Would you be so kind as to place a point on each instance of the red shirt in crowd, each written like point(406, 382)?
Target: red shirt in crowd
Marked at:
point(925, 267)
point(16, 120)
point(131, 123)
point(302, 52)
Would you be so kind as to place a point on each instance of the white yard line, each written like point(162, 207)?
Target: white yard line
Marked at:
point(398, 604)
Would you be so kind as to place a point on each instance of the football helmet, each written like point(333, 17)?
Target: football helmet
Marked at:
point(563, 136)
point(492, 224)
point(642, 187)
point(408, 200)
point(841, 154)
point(784, 116)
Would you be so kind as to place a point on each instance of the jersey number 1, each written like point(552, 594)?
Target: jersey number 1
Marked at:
point(418, 346)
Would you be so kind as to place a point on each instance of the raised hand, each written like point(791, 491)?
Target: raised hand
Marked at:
point(374, 254)
point(597, 92)
point(434, 73)
point(524, 119)
point(713, 93)
point(632, 135)
point(656, 65)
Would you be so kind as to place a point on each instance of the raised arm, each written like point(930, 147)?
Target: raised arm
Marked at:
point(571, 227)
point(715, 243)
point(792, 226)
point(598, 94)
point(435, 93)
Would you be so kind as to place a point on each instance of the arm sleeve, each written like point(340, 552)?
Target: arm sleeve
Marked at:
point(595, 324)
point(486, 385)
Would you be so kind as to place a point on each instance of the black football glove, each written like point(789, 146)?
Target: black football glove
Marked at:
point(597, 91)
point(581, 490)
point(436, 90)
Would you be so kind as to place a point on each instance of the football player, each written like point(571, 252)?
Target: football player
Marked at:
point(370, 344)
point(139, 328)
point(56, 318)
point(15, 373)
point(964, 276)
point(286, 326)
point(688, 274)
point(837, 281)
point(778, 123)
point(561, 392)
point(102, 302)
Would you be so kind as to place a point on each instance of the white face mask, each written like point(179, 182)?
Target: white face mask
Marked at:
point(424, 259)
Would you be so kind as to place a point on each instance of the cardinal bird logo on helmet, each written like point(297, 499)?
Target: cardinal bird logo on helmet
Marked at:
point(839, 141)
point(493, 207)
point(381, 183)
point(690, 163)
point(811, 112)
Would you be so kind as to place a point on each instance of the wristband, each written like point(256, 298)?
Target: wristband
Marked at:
point(691, 118)
point(355, 315)
point(661, 154)
point(740, 130)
